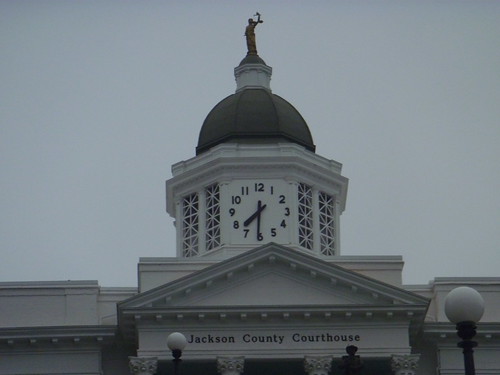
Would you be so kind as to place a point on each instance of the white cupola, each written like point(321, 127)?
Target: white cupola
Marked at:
point(256, 178)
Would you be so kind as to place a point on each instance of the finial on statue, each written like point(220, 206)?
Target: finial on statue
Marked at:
point(250, 34)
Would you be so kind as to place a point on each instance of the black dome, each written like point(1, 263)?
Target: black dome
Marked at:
point(254, 116)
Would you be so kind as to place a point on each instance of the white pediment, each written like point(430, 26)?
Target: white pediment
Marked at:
point(273, 292)
point(272, 275)
point(272, 287)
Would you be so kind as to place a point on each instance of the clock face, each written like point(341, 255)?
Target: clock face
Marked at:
point(257, 211)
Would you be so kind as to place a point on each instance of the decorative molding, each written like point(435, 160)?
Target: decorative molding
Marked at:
point(229, 161)
point(143, 365)
point(259, 260)
point(230, 365)
point(318, 365)
point(50, 336)
point(270, 152)
point(405, 364)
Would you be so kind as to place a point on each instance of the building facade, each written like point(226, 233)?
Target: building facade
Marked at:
point(259, 284)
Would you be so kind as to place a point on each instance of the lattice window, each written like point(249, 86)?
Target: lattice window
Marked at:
point(326, 224)
point(212, 217)
point(305, 216)
point(190, 225)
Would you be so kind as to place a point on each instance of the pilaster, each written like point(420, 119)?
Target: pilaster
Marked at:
point(405, 364)
point(318, 365)
point(230, 365)
point(143, 365)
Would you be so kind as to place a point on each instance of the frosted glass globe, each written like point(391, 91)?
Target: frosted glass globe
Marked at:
point(176, 341)
point(464, 304)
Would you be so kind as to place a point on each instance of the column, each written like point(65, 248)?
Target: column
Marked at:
point(405, 364)
point(143, 365)
point(318, 365)
point(230, 365)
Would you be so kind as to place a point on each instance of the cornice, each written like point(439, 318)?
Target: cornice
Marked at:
point(49, 284)
point(291, 167)
point(447, 333)
point(243, 152)
point(306, 313)
point(36, 337)
point(438, 281)
point(230, 161)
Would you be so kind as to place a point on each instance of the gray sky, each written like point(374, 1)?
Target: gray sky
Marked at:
point(99, 98)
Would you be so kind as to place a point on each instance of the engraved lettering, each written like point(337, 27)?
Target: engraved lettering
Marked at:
point(210, 339)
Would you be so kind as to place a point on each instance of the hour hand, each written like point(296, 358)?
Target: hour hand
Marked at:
point(260, 207)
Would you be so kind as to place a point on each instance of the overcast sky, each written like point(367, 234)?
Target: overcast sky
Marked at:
point(99, 98)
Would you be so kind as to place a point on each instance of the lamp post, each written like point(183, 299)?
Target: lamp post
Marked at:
point(176, 342)
point(464, 306)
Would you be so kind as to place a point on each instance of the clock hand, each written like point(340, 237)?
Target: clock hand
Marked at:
point(260, 208)
point(250, 219)
point(259, 235)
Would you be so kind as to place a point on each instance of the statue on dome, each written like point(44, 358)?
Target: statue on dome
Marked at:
point(250, 34)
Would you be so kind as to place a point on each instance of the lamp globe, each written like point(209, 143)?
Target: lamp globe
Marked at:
point(464, 304)
point(176, 341)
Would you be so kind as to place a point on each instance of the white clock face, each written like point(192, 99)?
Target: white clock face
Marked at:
point(257, 211)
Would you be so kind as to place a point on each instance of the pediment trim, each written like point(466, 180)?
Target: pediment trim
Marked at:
point(381, 296)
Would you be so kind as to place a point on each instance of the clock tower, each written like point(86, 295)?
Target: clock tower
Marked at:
point(255, 178)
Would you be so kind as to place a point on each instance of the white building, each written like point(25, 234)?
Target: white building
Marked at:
point(259, 284)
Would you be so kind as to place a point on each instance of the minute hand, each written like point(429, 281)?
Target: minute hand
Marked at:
point(260, 207)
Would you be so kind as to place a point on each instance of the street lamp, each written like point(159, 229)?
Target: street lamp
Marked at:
point(176, 342)
point(464, 306)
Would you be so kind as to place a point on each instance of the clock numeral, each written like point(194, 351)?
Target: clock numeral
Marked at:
point(282, 199)
point(244, 190)
point(259, 187)
point(260, 237)
point(283, 223)
point(235, 199)
point(272, 190)
point(246, 232)
point(287, 211)
point(273, 232)
point(232, 211)
point(236, 224)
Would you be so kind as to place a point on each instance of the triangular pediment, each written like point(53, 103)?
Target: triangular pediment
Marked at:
point(273, 275)
point(273, 285)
